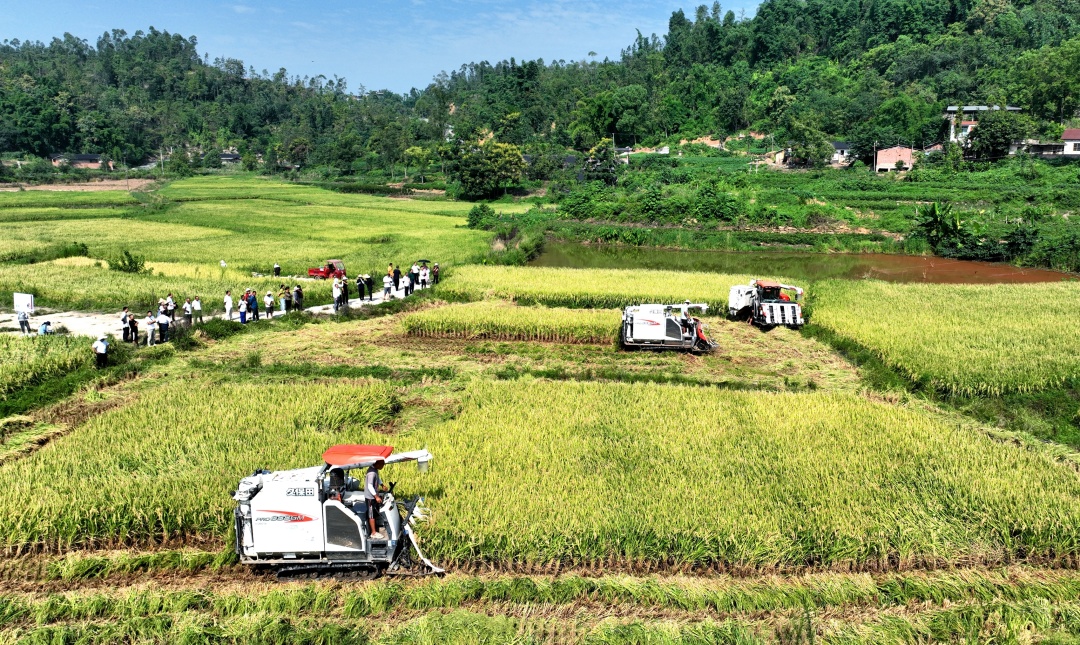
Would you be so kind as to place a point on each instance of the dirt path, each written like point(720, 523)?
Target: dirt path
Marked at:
point(81, 323)
point(89, 186)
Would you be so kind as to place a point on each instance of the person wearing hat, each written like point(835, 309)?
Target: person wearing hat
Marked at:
point(360, 286)
point(101, 349)
point(268, 301)
point(435, 274)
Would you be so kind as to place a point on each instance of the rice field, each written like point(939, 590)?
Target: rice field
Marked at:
point(538, 472)
point(542, 472)
point(87, 284)
point(964, 339)
point(250, 223)
point(496, 320)
point(31, 360)
point(162, 468)
point(595, 288)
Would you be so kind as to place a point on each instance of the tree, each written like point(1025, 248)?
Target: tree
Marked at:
point(485, 169)
point(996, 131)
point(419, 158)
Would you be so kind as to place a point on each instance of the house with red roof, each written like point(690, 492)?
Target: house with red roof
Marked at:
point(1071, 137)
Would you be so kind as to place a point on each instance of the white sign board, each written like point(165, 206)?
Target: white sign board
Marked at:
point(24, 302)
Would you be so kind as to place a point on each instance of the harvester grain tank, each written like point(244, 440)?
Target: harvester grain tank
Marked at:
point(313, 521)
point(766, 303)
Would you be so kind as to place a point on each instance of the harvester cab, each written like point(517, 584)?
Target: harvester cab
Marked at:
point(332, 269)
point(766, 303)
point(665, 327)
point(313, 521)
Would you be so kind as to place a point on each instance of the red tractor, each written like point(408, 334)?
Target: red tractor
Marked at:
point(333, 269)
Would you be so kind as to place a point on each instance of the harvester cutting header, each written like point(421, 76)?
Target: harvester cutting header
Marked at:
point(319, 520)
point(765, 303)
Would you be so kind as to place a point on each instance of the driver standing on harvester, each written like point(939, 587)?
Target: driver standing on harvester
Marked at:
point(372, 487)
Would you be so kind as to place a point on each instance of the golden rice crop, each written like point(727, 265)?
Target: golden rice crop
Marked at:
point(600, 288)
point(28, 360)
point(163, 466)
point(504, 321)
point(558, 471)
point(85, 283)
point(541, 472)
point(967, 339)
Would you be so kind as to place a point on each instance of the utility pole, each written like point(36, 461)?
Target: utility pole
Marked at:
point(874, 167)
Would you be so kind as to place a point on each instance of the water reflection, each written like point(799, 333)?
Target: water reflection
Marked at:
point(802, 266)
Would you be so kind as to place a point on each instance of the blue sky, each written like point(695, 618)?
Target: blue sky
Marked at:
point(374, 43)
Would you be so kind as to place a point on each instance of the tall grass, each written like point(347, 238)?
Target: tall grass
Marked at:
point(966, 339)
point(26, 361)
point(504, 321)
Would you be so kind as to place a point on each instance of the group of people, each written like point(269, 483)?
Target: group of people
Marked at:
point(247, 305)
point(157, 324)
point(418, 277)
point(44, 329)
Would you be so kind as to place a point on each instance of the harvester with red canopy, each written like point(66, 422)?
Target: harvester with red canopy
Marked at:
point(767, 303)
point(314, 521)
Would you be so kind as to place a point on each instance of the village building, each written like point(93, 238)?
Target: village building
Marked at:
point(1071, 137)
point(88, 161)
point(886, 159)
point(841, 152)
point(964, 118)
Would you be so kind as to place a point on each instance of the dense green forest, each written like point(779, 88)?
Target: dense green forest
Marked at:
point(799, 70)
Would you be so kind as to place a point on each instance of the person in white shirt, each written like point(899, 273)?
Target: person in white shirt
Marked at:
point(163, 327)
point(228, 305)
point(423, 277)
point(243, 310)
point(101, 349)
point(124, 325)
point(196, 306)
point(151, 328)
point(336, 289)
point(187, 311)
point(414, 276)
point(387, 286)
point(406, 284)
point(268, 301)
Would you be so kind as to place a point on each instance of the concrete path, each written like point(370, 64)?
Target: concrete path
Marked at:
point(92, 324)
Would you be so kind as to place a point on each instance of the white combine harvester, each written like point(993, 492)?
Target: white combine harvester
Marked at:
point(664, 327)
point(764, 303)
point(313, 521)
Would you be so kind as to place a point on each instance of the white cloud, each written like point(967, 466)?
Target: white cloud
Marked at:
point(243, 9)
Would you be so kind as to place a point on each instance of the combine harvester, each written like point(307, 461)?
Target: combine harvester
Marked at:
point(313, 521)
point(764, 303)
point(664, 327)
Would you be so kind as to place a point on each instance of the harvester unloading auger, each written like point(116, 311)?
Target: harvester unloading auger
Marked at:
point(314, 521)
point(665, 327)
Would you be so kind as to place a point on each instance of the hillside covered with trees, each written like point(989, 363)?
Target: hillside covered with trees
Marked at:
point(801, 71)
